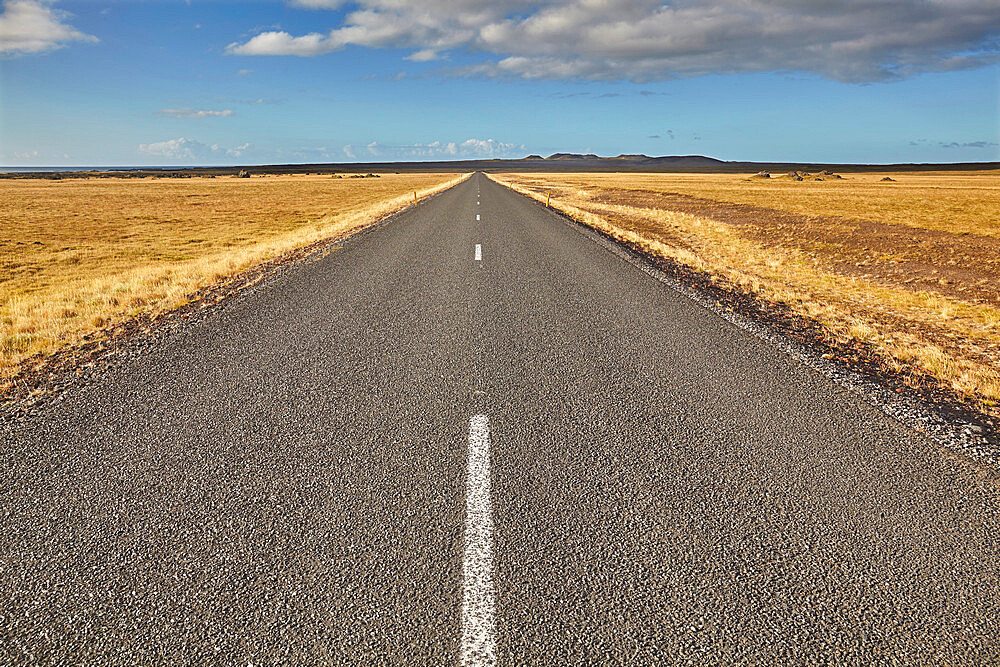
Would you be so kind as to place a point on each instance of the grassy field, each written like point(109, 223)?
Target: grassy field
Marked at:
point(910, 266)
point(80, 255)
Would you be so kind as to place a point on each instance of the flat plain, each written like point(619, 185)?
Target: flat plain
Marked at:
point(82, 255)
point(908, 266)
point(295, 476)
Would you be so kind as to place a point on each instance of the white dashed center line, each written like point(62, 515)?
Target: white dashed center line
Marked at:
point(479, 252)
point(479, 644)
point(477, 216)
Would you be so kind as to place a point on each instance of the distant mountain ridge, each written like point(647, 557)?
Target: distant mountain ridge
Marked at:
point(561, 162)
point(637, 158)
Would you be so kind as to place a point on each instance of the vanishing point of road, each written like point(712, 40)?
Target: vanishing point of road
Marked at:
point(474, 435)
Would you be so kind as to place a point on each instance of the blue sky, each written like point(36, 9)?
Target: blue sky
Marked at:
point(213, 82)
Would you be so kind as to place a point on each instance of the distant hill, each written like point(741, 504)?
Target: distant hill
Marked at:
point(635, 162)
point(589, 161)
point(572, 156)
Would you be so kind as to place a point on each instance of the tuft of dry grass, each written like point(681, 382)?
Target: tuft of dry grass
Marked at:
point(81, 255)
point(909, 267)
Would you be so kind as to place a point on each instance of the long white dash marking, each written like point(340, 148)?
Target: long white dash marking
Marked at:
point(479, 643)
point(479, 252)
point(477, 216)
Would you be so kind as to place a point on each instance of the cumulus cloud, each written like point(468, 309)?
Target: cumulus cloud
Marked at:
point(197, 113)
point(470, 148)
point(177, 149)
point(280, 43)
point(185, 150)
point(32, 26)
point(850, 40)
point(191, 150)
point(488, 148)
point(423, 55)
point(237, 151)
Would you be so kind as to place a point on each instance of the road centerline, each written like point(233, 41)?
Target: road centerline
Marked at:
point(479, 252)
point(478, 618)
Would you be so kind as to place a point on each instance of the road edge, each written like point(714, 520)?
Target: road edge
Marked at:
point(957, 434)
point(51, 375)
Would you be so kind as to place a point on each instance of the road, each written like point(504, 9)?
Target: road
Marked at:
point(472, 433)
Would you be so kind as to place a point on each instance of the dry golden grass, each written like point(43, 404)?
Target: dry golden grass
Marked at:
point(836, 251)
point(78, 255)
point(958, 202)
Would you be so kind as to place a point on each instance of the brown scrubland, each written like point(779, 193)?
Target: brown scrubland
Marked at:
point(82, 255)
point(908, 266)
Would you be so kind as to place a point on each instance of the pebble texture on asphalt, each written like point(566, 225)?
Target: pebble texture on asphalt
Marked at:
point(283, 480)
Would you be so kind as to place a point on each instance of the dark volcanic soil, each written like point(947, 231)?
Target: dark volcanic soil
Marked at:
point(957, 265)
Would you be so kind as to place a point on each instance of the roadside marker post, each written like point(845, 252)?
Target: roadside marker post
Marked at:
point(546, 200)
point(414, 197)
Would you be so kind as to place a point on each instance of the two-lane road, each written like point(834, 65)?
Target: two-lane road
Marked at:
point(474, 432)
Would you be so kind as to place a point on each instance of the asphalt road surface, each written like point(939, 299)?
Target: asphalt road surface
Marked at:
point(474, 434)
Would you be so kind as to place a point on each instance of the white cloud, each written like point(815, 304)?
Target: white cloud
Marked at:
point(423, 55)
point(197, 113)
point(487, 148)
point(31, 26)
point(470, 148)
point(191, 150)
point(177, 149)
point(239, 150)
point(280, 43)
point(244, 72)
point(848, 40)
point(184, 150)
